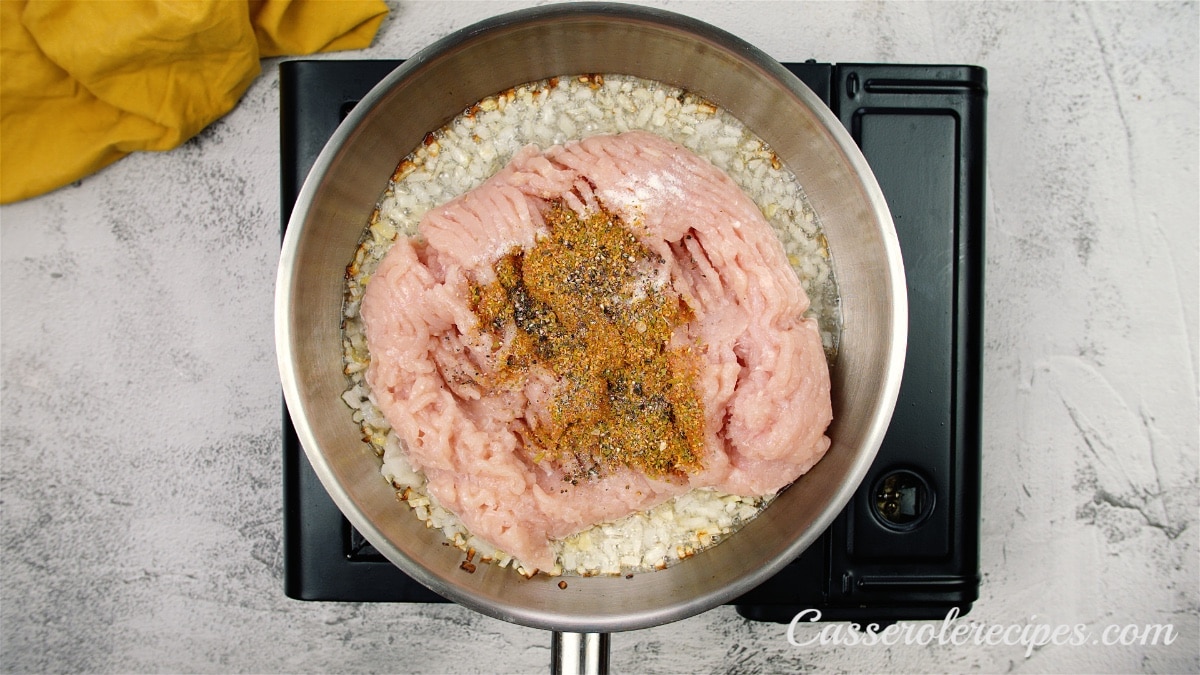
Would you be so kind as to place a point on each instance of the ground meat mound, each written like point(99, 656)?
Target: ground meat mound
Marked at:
point(524, 414)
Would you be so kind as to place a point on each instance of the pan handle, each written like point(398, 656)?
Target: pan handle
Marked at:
point(579, 653)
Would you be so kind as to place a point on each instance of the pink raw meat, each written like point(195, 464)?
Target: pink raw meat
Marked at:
point(763, 380)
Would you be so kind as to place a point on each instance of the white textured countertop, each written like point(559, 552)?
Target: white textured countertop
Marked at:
point(140, 466)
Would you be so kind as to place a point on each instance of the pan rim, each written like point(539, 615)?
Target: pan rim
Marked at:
point(291, 376)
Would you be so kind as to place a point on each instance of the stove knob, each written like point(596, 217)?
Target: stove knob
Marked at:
point(901, 500)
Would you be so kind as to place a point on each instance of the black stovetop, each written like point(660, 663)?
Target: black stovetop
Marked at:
point(907, 545)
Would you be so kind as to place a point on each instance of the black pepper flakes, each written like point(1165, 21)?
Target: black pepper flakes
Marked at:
point(581, 304)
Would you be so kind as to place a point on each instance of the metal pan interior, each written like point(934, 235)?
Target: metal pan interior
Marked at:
point(454, 73)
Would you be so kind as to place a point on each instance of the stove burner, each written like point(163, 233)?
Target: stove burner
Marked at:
point(907, 544)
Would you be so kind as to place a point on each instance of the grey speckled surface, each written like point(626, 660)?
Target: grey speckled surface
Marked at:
point(139, 475)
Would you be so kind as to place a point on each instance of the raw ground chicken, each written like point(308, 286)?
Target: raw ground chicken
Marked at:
point(478, 143)
point(761, 374)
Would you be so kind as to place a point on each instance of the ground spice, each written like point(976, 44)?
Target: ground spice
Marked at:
point(581, 303)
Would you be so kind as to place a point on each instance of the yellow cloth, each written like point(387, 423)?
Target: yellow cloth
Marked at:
point(84, 83)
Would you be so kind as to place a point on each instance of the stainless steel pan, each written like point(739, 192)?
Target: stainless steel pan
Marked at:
point(449, 76)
